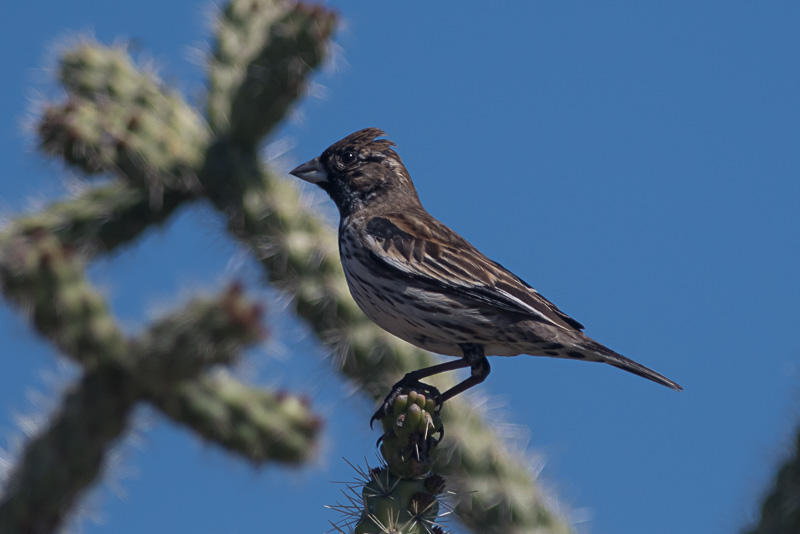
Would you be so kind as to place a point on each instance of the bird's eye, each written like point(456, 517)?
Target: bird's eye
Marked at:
point(348, 158)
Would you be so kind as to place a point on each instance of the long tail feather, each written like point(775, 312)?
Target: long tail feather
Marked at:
point(626, 364)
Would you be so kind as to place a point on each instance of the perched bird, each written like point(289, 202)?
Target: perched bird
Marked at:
point(424, 283)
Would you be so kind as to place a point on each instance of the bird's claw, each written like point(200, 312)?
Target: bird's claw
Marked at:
point(403, 387)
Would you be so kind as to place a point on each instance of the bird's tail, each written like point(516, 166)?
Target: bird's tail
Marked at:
point(626, 364)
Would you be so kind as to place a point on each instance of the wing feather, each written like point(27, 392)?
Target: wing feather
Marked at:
point(418, 246)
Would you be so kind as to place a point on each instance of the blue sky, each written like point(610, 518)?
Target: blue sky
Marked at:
point(637, 162)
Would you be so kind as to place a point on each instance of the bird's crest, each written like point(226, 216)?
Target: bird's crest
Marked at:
point(368, 137)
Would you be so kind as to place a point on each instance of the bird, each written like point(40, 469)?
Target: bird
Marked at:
point(424, 283)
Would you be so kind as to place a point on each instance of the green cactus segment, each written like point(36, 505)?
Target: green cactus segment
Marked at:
point(45, 278)
point(119, 119)
point(260, 425)
point(205, 332)
point(48, 280)
point(412, 428)
point(100, 219)
point(264, 52)
point(398, 505)
point(100, 73)
point(61, 463)
point(780, 512)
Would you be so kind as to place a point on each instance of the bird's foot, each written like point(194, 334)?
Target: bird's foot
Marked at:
point(403, 387)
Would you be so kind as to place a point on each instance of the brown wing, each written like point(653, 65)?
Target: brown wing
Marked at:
point(419, 246)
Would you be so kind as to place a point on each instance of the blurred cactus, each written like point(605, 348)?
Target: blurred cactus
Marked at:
point(263, 53)
point(780, 512)
point(121, 121)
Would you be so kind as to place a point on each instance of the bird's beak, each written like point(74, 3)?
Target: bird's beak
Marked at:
point(311, 171)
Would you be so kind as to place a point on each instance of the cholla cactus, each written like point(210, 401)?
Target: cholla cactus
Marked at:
point(412, 428)
point(396, 505)
point(780, 511)
point(121, 121)
point(402, 496)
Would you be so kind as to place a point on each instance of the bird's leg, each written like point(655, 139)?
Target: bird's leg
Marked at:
point(475, 358)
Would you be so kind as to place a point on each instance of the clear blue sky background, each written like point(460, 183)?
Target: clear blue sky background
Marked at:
point(637, 162)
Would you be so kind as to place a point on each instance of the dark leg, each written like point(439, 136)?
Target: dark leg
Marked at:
point(414, 377)
point(473, 357)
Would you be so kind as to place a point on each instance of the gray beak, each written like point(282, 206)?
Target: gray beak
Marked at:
point(311, 171)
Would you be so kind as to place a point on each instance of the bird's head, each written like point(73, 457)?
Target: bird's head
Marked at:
point(359, 171)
